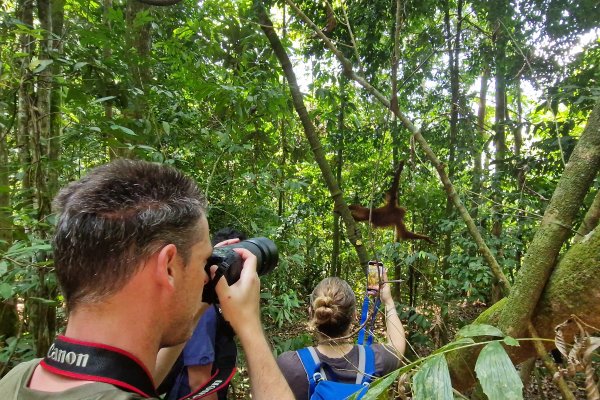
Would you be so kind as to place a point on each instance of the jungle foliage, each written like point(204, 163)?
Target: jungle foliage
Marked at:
point(501, 93)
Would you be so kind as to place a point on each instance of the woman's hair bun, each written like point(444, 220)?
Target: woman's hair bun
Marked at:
point(333, 306)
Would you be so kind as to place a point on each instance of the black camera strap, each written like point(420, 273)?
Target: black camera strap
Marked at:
point(101, 363)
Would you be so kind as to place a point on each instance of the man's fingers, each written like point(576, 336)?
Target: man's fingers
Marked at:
point(249, 261)
point(227, 242)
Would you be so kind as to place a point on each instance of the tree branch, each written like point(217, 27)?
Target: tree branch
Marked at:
point(311, 134)
point(451, 192)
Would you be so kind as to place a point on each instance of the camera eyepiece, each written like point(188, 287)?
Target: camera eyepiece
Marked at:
point(229, 263)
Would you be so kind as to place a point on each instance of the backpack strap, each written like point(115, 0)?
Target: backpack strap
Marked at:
point(363, 320)
point(366, 365)
point(365, 335)
point(312, 366)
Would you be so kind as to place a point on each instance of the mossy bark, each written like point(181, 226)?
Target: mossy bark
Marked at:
point(574, 288)
point(556, 227)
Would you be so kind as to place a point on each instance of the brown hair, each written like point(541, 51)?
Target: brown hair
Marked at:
point(115, 217)
point(333, 305)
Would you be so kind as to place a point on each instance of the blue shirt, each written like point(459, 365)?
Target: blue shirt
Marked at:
point(199, 350)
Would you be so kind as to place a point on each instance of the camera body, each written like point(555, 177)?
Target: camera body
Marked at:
point(229, 263)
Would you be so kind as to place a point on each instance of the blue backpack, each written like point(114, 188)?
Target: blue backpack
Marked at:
point(322, 389)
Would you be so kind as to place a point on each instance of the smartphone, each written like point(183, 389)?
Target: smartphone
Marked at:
point(374, 276)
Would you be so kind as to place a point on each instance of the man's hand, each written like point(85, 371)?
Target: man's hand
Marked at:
point(227, 242)
point(240, 306)
point(240, 301)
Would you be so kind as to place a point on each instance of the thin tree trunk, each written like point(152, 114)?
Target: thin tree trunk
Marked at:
point(311, 134)
point(56, 100)
point(454, 72)
point(500, 41)
point(8, 310)
point(478, 151)
point(43, 146)
point(417, 135)
point(339, 163)
point(453, 60)
point(25, 14)
point(590, 221)
point(138, 44)
point(113, 152)
point(42, 113)
point(520, 178)
point(394, 100)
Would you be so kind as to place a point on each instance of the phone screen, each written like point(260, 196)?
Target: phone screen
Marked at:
point(375, 275)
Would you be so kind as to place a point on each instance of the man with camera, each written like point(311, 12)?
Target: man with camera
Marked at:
point(130, 252)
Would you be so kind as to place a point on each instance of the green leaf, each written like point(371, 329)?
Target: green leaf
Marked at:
point(79, 65)
point(452, 345)
point(432, 381)
point(511, 341)
point(497, 374)
point(44, 301)
point(479, 330)
point(380, 385)
point(123, 129)
point(102, 99)
point(39, 65)
point(166, 127)
point(6, 290)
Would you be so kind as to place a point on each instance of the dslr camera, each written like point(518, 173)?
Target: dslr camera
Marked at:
point(229, 263)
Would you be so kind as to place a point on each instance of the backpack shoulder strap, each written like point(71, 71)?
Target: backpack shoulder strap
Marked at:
point(366, 365)
point(312, 366)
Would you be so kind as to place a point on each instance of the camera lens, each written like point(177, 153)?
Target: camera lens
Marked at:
point(265, 251)
point(229, 263)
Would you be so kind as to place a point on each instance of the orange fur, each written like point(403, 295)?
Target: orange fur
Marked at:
point(390, 214)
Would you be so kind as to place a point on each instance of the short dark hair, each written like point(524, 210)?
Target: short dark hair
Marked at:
point(116, 216)
point(227, 233)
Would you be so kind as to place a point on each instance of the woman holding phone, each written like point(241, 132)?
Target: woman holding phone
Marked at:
point(331, 313)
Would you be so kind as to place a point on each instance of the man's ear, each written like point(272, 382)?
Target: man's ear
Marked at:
point(166, 263)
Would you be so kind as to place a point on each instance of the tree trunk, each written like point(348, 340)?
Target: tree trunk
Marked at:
point(418, 136)
point(138, 44)
point(312, 136)
point(56, 100)
point(454, 75)
point(572, 290)
point(478, 151)
point(339, 163)
point(498, 17)
point(25, 102)
point(590, 221)
point(453, 60)
point(8, 310)
point(519, 177)
point(44, 150)
point(556, 227)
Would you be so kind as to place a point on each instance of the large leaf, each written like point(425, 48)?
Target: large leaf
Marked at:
point(497, 374)
point(432, 381)
point(6, 291)
point(479, 330)
point(380, 385)
point(462, 342)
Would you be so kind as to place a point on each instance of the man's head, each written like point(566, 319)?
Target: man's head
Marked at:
point(116, 217)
